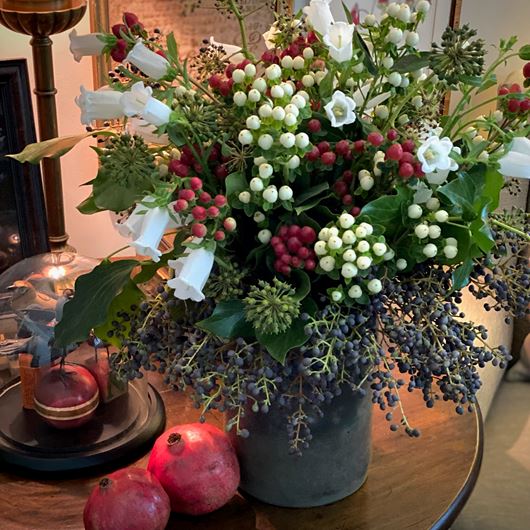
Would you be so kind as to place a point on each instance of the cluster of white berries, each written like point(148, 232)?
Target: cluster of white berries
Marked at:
point(429, 232)
point(352, 250)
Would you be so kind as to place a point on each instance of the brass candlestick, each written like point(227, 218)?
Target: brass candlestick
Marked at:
point(40, 19)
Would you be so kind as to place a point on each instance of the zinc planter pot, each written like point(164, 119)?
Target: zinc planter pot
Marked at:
point(333, 467)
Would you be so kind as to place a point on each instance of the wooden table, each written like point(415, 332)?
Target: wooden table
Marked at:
point(412, 483)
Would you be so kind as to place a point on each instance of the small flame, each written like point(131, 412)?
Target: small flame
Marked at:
point(56, 273)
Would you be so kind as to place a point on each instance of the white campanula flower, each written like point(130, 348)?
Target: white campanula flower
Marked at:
point(318, 15)
point(360, 95)
point(270, 36)
point(192, 271)
point(434, 155)
point(83, 45)
point(146, 131)
point(340, 110)
point(423, 193)
point(516, 161)
point(140, 102)
point(233, 53)
point(149, 62)
point(339, 40)
point(102, 104)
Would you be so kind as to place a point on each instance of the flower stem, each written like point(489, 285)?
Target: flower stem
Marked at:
point(242, 28)
point(509, 228)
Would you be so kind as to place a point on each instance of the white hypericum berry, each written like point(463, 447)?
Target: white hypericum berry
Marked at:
point(302, 140)
point(368, 227)
point(394, 36)
point(336, 296)
point(238, 75)
point(355, 292)
point(256, 184)
point(367, 183)
point(363, 174)
point(265, 141)
point(277, 91)
point(395, 79)
point(270, 194)
point(379, 156)
point(349, 237)
point(433, 204)
point(321, 248)
point(260, 160)
point(364, 262)
point(287, 62)
point(278, 113)
point(422, 231)
point(412, 39)
point(358, 68)
point(430, 250)
point(390, 255)
point(441, 216)
point(163, 170)
point(327, 263)
point(361, 232)
point(388, 62)
point(245, 137)
point(377, 172)
point(299, 101)
point(450, 251)
point(260, 84)
point(375, 286)
point(404, 82)
point(240, 98)
point(483, 157)
point(435, 231)
point(423, 6)
point(319, 76)
point(451, 242)
point(414, 211)
point(417, 101)
point(382, 112)
point(308, 81)
point(349, 270)
point(264, 236)
point(379, 249)
point(253, 122)
point(308, 53)
point(259, 217)
point(392, 10)
point(244, 197)
point(285, 193)
point(250, 70)
point(404, 13)
point(294, 162)
point(299, 63)
point(403, 119)
point(287, 140)
point(401, 264)
point(305, 95)
point(265, 171)
point(349, 255)
point(290, 119)
point(273, 72)
point(346, 220)
point(333, 231)
point(292, 109)
point(324, 234)
point(363, 246)
point(265, 111)
point(334, 242)
point(288, 88)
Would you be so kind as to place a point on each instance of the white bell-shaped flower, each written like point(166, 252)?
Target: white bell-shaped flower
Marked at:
point(516, 161)
point(318, 15)
point(191, 273)
point(102, 104)
point(270, 36)
point(140, 102)
point(439, 177)
point(149, 62)
point(340, 110)
point(339, 40)
point(434, 155)
point(233, 53)
point(146, 131)
point(84, 45)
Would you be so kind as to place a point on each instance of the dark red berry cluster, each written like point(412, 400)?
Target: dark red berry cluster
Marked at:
point(223, 83)
point(293, 246)
point(188, 163)
point(130, 26)
point(512, 101)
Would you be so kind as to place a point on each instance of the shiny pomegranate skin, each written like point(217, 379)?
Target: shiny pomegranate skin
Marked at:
point(129, 499)
point(197, 466)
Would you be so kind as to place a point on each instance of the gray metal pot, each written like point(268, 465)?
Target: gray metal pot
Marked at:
point(334, 466)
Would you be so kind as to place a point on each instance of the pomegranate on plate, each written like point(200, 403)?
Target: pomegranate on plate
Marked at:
point(129, 499)
point(197, 466)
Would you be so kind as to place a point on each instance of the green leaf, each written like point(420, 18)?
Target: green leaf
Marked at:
point(88, 206)
point(325, 88)
point(367, 57)
point(54, 148)
point(469, 80)
point(279, 345)
point(524, 53)
point(311, 192)
point(494, 182)
point(303, 287)
point(235, 184)
point(228, 321)
point(172, 48)
point(412, 62)
point(482, 235)
point(348, 14)
point(488, 83)
point(461, 275)
point(94, 293)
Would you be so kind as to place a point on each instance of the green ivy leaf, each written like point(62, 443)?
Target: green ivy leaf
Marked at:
point(235, 183)
point(88, 206)
point(412, 62)
point(325, 88)
point(228, 321)
point(461, 275)
point(524, 53)
point(368, 62)
point(94, 294)
point(303, 287)
point(311, 192)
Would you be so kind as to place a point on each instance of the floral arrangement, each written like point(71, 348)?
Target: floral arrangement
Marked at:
point(325, 214)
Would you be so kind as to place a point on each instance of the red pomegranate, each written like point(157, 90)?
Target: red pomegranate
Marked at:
point(66, 396)
point(129, 499)
point(197, 466)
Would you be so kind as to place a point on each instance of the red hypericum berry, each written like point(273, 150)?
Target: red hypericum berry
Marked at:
point(221, 172)
point(268, 56)
point(219, 235)
point(283, 232)
point(229, 70)
point(407, 157)
point(161, 53)
point(358, 146)
point(286, 270)
point(355, 211)
point(180, 205)
point(395, 152)
point(392, 135)
point(513, 105)
point(199, 213)
point(314, 125)
point(275, 240)
point(198, 229)
point(310, 265)
point(178, 168)
point(303, 253)
point(280, 249)
point(328, 158)
point(205, 197)
point(118, 29)
point(278, 265)
point(408, 146)
point(515, 88)
point(340, 187)
point(119, 51)
point(525, 105)
point(418, 172)
point(313, 155)
point(294, 244)
point(315, 105)
point(229, 224)
point(311, 37)
point(213, 211)
point(286, 259)
point(130, 19)
point(296, 262)
point(215, 81)
point(347, 176)
point(406, 170)
point(342, 148)
point(526, 70)
point(293, 230)
point(196, 183)
point(187, 195)
point(242, 64)
point(307, 235)
point(347, 200)
point(375, 138)
point(503, 91)
point(225, 88)
point(220, 201)
point(323, 147)
point(197, 167)
point(186, 156)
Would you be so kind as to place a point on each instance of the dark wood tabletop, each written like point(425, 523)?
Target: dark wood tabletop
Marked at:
point(412, 483)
